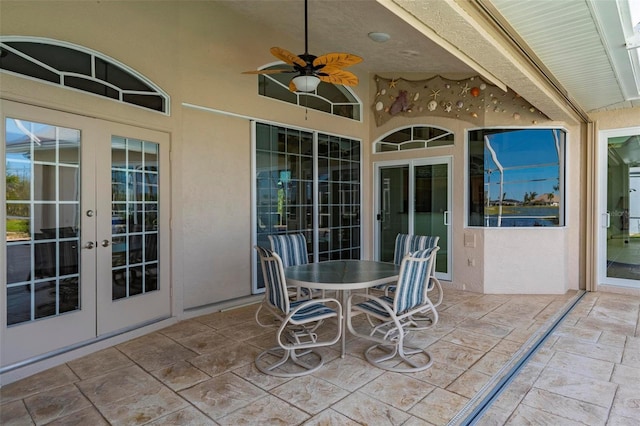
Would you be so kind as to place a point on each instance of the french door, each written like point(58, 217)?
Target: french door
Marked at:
point(414, 197)
point(86, 230)
point(619, 205)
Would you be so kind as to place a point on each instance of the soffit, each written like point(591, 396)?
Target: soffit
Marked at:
point(581, 43)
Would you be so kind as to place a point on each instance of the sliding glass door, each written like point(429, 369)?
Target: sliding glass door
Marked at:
point(414, 197)
point(619, 218)
point(307, 182)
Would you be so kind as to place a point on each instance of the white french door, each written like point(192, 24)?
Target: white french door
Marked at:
point(619, 207)
point(86, 227)
point(414, 196)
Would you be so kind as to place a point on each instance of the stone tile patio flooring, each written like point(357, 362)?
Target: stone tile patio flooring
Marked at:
point(201, 372)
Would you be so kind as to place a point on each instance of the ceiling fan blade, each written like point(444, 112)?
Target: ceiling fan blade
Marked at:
point(335, 75)
point(292, 86)
point(337, 60)
point(268, 71)
point(287, 57)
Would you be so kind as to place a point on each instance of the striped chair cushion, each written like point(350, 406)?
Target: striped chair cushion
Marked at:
point(311, 312)
point(409, 243)
point(292, 248)
point(272, 272)
point(413, 281)
point(374, 307)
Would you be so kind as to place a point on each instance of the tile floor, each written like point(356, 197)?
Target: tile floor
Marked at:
point(201, 372)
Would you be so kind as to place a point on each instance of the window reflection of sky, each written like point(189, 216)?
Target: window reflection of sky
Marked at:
point(19, 134)
point(530, 163)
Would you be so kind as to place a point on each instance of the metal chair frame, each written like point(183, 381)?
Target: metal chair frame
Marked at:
point(393, 318)
point(297, 322)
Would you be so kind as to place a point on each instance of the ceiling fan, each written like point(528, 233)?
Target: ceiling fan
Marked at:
point(313, 69)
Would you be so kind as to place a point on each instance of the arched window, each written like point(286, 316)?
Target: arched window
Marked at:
point(331, 98)
point(413, 137)
point(75, 67)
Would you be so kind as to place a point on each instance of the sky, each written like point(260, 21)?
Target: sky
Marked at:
point(529, 160)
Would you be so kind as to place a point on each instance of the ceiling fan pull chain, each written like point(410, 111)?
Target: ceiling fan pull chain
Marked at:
point(306, 103)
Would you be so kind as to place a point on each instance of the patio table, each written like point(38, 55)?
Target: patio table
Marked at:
point(342, 276)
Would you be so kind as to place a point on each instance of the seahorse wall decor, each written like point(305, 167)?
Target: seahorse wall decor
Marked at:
point(470, 99)
point(400, 104)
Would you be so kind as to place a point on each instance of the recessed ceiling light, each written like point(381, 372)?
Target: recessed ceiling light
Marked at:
point(379, 37)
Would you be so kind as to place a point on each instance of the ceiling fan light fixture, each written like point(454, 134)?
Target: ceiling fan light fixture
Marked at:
point(306, 83)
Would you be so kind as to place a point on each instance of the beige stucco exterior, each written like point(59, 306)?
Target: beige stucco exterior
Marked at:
point(196, 51)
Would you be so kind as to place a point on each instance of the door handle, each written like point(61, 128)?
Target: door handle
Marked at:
point(105, 243)
point(89, 245)
point(445, 217)
point(607, 219)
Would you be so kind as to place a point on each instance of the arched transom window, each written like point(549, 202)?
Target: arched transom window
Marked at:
point(79, 68)
point(331, 98)
point(413, 137)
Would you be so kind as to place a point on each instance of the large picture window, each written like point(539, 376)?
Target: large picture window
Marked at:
point(516, 177)
point(308, 183)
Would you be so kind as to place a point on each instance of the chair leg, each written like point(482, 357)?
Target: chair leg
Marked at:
point(438, 287)
point(396, 355)
point(400, 355)
point(279, 367)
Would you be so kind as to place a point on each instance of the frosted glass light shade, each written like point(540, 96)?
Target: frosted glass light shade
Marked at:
point(306, 83)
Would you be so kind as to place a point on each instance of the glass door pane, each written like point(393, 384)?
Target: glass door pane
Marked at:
point(134, 217)
point(393, 213)
point(42, 220)
point(431, 207)
point(623, 211)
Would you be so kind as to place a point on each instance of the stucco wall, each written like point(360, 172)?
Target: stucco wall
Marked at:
point(616, 119)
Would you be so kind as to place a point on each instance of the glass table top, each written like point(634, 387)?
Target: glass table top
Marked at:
point(342, 274)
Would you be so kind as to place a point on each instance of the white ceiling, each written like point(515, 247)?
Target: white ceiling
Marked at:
point(582, 43)
point(578, 42)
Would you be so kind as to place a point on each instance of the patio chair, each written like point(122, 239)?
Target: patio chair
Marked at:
point(292, 249)
point(299, 323)
point(409, 243)
point(392, 317)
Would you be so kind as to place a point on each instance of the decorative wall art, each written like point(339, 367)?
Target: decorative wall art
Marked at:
point(470, 99)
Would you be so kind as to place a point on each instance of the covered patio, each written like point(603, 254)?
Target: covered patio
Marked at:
point(154, 218)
